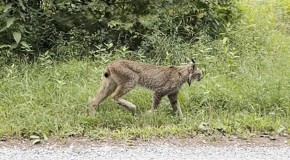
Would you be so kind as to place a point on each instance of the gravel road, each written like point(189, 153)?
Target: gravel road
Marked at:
point(153, 150)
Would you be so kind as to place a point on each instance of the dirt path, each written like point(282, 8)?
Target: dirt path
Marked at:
point(169, 148)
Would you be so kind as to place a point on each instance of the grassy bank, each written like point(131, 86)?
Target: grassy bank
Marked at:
point(245, 90)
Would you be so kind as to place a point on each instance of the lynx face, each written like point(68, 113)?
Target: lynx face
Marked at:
point(194, 73)
point(197, 75)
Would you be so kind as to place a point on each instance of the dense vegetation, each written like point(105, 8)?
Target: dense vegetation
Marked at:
point(65, 29)
point(53, 53)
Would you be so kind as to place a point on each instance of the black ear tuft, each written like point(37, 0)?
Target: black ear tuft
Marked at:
point(192, 60)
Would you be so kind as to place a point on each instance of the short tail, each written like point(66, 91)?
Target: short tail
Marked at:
point(108, 84)
point(107, 73)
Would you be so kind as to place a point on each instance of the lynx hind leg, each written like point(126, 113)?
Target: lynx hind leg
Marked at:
point(156, 101)
point(119, 92)
point(173, 98)
point(107, 88)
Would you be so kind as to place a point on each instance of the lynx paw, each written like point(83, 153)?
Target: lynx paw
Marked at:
point(91, 112)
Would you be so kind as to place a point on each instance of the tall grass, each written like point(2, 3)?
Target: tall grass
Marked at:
point(245, 88)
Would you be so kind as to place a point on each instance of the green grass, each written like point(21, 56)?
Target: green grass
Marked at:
point(245, 90)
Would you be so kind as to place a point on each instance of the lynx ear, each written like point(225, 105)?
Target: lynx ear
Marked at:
point(193, 63)
point(192, 60)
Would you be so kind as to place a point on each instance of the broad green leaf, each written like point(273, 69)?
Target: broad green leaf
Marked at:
point(44, 137)
point(113, 23)
point(36, 141)
point(225, 40)
point(220, 127)
point(22, 15)
point(7, 7)
point(5, 46)
point(17, 36)
point(201, 15)
point(148, 20)
point(21, 4)
point(24, 44)
point(203, 127)
point(281, 129)
point(13, 46)
point(110, 45)
point(127, 26)
point(10, 21)
point(3, 29)
point(34, 137)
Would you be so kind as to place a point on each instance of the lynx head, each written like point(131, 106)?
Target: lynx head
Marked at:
point(194, 73)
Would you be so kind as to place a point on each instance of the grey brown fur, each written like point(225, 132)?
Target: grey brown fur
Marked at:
point(123, 75)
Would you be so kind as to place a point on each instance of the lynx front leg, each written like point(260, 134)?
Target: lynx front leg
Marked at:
point(173, 98)
point(156, 101)
point(120, 91)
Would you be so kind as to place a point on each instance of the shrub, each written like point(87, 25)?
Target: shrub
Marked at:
point(74, 29)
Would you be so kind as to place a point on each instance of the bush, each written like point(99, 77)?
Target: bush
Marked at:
point(75, 29)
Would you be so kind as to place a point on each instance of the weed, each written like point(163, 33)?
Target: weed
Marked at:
point(245, 89)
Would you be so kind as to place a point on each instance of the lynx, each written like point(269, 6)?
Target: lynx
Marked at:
point(123, 75)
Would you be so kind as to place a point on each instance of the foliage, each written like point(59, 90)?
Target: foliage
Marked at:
point(78, 29)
